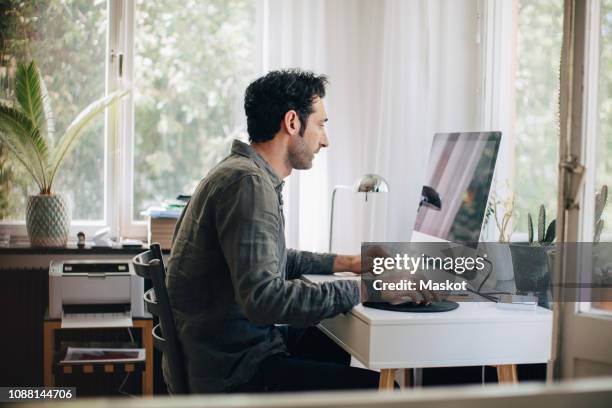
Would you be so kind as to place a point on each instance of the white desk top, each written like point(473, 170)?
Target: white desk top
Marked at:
point(472, 311)
point(476, 333)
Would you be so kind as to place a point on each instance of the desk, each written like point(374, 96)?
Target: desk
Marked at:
point(474, 334)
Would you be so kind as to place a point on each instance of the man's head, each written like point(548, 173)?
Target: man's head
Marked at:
point(288, 104)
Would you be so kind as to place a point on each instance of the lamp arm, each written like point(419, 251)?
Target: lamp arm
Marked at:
point(331, 217)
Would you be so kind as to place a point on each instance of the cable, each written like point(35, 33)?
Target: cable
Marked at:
point(120, 389)
point(484, 295)
point(131, 336)
point(488, 294)
point(486, 277)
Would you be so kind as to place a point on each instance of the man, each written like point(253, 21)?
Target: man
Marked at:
point(231, 279)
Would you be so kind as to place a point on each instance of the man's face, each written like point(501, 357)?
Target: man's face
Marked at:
point(303, 148)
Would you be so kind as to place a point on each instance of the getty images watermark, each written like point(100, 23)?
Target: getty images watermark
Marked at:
point(484, 271)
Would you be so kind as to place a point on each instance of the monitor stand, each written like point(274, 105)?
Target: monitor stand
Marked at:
point(433, 307)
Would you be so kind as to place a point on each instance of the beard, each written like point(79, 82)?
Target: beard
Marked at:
point(299, 156)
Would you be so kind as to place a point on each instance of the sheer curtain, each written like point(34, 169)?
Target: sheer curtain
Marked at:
point(400, 70)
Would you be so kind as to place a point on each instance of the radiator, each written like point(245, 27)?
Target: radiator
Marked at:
point(24, 294)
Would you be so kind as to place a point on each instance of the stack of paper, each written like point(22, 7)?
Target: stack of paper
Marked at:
point(161, 230)
point(87, 355)
point(162, 220)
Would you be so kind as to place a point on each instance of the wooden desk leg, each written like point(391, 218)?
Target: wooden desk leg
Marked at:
point(387, 377)
point(147, 342)
point(506, 374)
point(407, 377)
point(48, 349)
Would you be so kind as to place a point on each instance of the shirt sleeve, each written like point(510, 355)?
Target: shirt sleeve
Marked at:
point(247, 218)
point(303, 262)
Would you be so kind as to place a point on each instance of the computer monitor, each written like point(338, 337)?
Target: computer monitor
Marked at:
point(457, 184)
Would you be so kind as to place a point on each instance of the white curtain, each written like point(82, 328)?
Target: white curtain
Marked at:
point(400, 70)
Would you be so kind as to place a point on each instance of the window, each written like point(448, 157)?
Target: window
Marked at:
point(602, 157)
point(539, 36)
point(187, 64)
point(604, 109)
point(68, 41)
point(192, 63)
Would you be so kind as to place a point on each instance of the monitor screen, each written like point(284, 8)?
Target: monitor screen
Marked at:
point(457, 182)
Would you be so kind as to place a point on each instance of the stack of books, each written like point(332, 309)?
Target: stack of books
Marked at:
point(162, 220)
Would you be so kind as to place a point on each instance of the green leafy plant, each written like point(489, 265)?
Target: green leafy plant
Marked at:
point(601, 199)
point(27, 126)
point(545, 236)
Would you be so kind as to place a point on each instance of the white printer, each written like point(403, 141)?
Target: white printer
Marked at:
point(95, 293)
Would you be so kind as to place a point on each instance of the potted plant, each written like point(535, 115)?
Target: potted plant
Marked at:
point(530, 259)
point(27, 129)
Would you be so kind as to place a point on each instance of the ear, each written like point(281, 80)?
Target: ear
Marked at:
point(291, 122)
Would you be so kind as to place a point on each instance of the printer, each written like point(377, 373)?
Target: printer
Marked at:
point(95, 293)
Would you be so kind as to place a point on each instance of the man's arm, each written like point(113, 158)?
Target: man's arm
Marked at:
point(303, 263)
point(247, 219)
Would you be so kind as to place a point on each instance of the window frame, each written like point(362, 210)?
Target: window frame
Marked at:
point(112, 119)
point(123, 222)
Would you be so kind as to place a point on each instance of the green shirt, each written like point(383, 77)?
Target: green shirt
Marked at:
point(231, 279)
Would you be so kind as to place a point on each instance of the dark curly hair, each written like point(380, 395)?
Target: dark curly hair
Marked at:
point(269, 98)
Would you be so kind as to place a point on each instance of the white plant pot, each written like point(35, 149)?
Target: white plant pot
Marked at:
point(48, 220)
point(501, 258)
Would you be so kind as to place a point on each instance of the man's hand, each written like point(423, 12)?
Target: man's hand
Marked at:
point(359, 265)
point(371, 252)
point(398, 296)
point(353, 263)
point(394, 276)
point(347, 263)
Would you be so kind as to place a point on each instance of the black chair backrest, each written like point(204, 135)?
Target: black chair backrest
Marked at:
point(150, 265)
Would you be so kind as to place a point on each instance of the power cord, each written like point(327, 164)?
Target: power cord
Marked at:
point(487, 295)
point(120, 389)
point(127, 375)
point(484, 295)
point(129, 330)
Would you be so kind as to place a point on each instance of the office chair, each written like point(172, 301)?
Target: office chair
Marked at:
point(150, 265)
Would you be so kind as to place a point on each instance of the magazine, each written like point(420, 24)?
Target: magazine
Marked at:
point(81, 355)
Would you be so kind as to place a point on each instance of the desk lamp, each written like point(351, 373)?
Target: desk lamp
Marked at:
point(368, 183)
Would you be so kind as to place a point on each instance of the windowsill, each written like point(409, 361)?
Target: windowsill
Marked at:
point(71, 249)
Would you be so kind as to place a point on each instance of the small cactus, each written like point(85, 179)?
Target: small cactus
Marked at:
point(601, 199)
point(541, 223)
point(551, 232)
point(545, 235)
point(598, 229)
point(530, 228)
